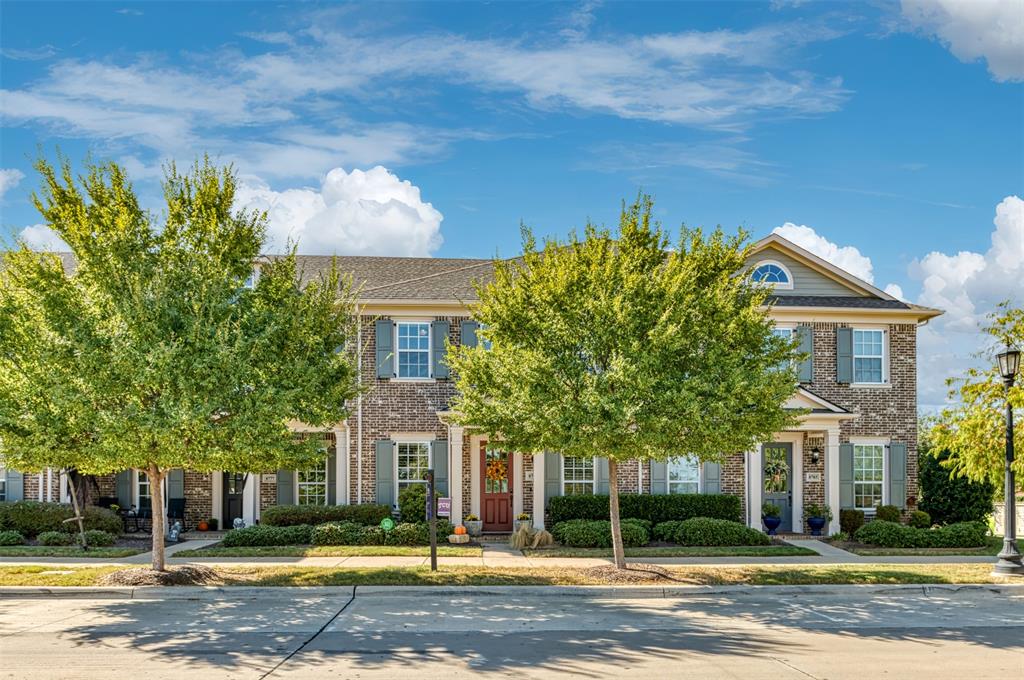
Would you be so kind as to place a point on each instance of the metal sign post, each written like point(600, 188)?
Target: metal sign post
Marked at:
point(432, 519)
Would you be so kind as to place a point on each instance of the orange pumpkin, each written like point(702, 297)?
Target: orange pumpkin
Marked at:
point(460, 530)
point(204, 526)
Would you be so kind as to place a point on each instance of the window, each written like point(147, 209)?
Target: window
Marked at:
point(772, 273)
point(784, 333)
point(3, 484)
point(684, 475)
point(868, 356)
point(413, 460)
point(413, 350)
point(143, 491)
point(868, 474)
point(577, 476)
point(251, 279)
point(312, 486)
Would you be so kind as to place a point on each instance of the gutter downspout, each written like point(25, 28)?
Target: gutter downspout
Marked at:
point(359, 411)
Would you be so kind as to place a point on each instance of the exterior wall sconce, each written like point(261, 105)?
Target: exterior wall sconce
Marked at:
point(816, 455)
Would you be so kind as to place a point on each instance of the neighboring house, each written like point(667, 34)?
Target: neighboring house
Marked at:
point(855, 447)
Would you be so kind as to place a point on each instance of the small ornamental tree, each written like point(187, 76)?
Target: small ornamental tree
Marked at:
point(617, 345)
point(147, 349)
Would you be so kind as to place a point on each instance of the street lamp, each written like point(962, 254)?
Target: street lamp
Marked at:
point(1009, 563)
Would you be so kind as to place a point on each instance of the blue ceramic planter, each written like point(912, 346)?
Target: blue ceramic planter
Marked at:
point(771, 523)
point(816, 524)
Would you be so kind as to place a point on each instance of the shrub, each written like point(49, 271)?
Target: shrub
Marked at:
point(850, 520)
point(99, 519)
point(343, 533)
point(31, 518)
point(892, 535)
point(412, 503)
point(584, 533)
point(707, 531)
point(920, 519)
point(952, 500)
point(294, 515)
point(262, 534)
point(11, 537)
point(815, 510)
point(409, 533)
point(887, 513)
point(98, 539)
point(656, 508)
point(769, 509)
point(54, 538)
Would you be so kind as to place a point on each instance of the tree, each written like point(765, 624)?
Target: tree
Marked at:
point(617, 345)
point(149, 351)
point(973, 431)
point(947, 498)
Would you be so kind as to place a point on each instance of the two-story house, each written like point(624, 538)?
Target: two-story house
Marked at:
point(856, 446)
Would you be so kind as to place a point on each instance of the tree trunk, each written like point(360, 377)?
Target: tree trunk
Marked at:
point(618, 552)
point(156, 489)
point(74, 503)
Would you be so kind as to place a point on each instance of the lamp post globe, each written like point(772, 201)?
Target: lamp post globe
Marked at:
point(1010, 561)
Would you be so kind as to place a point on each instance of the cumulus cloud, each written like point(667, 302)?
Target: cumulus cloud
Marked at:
point(992, 30)
point(9, 178)
point(895, 290)
point(353, 213)
point(41, 237)
point(847, 258)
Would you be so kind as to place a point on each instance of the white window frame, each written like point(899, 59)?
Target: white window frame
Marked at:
point(668, 475)
point(3, 484)
point(486, 344)
point(327, 483)
point(407, 441)
point(252, 279)
point(884, 445)
point(429, 350)
point(885, 355)
point(593, 476)
point(136, 488)
point(776, 286)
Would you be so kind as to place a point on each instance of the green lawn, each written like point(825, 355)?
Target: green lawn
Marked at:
point(995, 544)
point(331, 551)
point(679, 551)
point(65, 551)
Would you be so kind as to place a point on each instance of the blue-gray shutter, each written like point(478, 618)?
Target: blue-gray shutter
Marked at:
point(438, 336)
point(552, 475)
point(175, 484)
point(659, 477)
point(844, 355)
point(385, 472)
point(805, 369)
point(846, 475)
point(123, 485)
point(601, 475)
point(712, 478)
point(468, 333)
point(898, 474)
point(285, 487)
point(332, 475)
point(15, 485)
point(385, 343)
point(439, 459)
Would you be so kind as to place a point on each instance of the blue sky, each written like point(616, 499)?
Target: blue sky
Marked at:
point(887, 137)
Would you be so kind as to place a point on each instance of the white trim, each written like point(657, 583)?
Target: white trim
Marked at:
point(327, 481)
point(455, 436)
point(394, 458)
point(668, 475)
point(784, 268)
point(755, 487)
point(561, 473)
point(341, 465)
point(517, 484)
point(475, 442)
point(832, 475)
point(217, 498)
point(64, 494)
point(396, 322)
point(250, 499)
point(885, 355)
point(538, 490)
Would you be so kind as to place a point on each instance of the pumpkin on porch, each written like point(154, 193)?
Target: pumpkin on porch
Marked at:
point(460, 530)
point(204, 526)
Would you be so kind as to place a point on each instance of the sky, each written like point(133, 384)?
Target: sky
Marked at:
point(886, 137)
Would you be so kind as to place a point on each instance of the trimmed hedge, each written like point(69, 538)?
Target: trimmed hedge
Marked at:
point(590, 533)
point(55, 538)
point(655, 508)
point(31, 518)
point(295, 515)
point(919, 519)
point(97, 539)
point(706, 531)
point(262, 534)
point(349, 533)
point(11, 537)
point(850, 520)
point(888, 513)
point(892, 535)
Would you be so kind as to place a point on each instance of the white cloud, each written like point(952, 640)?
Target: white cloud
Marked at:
point(975, 29)
point(354, 213)
point(847, 258)
point(895, 290)
point(41, 237)
point(9, 178)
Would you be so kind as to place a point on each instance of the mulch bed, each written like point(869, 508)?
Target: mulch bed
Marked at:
point(188, 575)
point(633, 573)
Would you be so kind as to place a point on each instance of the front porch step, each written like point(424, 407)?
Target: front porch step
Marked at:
point(494, 537)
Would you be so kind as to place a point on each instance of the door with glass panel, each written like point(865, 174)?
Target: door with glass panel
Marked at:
point(496, 489)
point(234, 485)
point(777, 466)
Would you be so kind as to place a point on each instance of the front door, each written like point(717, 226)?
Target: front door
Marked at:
point(496, 489)
point(234, 484)
point(777, 460)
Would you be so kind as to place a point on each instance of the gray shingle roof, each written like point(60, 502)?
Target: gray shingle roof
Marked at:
point(850, 301)
point(405, 278)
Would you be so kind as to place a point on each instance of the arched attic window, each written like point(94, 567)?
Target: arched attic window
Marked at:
point(774, 273)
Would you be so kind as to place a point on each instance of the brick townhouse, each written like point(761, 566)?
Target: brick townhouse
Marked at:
point(855, 447)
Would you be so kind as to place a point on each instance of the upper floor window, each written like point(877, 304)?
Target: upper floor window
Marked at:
point(868, 356)
point(312, 485)
point(684, 475)
point(773, 273)
point(868, 475)
point(577, 476)
point(251, 279)
point(413, 349)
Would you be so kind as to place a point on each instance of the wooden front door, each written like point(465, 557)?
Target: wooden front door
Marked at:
point(234, 484)
point(496, 489)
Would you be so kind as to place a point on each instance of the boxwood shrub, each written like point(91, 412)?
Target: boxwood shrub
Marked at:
point(350, 533)
point(892, 535)
point(655, 508)
point(55, 538)
point(31, 518)
point(887, 513)
point(294, 515)
point(262, 534)
point(707, 531)
point(850, 520)
point(97, 539)
point(597, 533)
point(11, 537)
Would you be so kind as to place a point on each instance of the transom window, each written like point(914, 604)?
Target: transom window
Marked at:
point(577, 476)
point(312, 485)
point(413, 459)
point(868, 356)
point(684, 475)
point(413, 350)
point(773, 273)
point(868, 475)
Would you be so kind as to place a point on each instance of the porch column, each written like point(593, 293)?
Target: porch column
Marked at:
point(340, 465)
point(250, 499)
point(455, 434)
point(538, 490)
point(517, 484)
point(832, 476)
point(755, 486)
point(217, 498)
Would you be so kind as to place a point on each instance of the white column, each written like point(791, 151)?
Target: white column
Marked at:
point(65, 496)
point(49, 485)
point(517, 483)
point(474, 475)
point(832, 476)
point(41, 484)
point(455, 434)
point(341, 465)
point(217, 498)
point(538, 490)
point(798, 484)
point(755, 485)
point(250, 492)
point(639, 476)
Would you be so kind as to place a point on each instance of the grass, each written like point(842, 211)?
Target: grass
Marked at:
point(331, 551)
point(680, 551)
point(65, 551)
point(992, 548)
point(483, 576)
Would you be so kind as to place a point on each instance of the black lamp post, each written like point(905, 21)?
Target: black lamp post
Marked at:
point(1009, 563)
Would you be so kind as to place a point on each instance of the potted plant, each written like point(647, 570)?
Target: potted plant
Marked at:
point(213, 523)
point(474, 525)
point(521, 519)
point(817, 516)
point(771, 515)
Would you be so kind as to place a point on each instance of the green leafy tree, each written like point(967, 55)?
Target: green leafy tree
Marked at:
point(148, 350)
point(617, 345)
point(972, 433)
